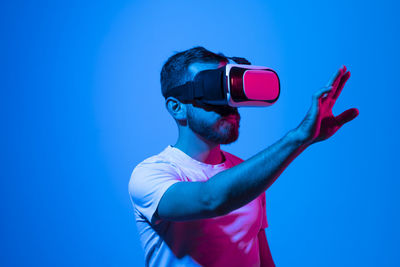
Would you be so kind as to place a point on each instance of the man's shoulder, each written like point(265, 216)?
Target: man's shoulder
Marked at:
point(153, 169)
point(157, 161)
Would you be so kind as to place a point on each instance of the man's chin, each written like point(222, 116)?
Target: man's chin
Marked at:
point(229, 132)
point(231, 137)
point(224, 132)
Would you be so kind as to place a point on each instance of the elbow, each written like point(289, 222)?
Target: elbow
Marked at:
point(213, 201)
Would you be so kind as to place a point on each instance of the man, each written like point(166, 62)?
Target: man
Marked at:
point(197, 205)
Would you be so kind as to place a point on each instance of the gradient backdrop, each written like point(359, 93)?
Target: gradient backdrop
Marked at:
point(81, 105)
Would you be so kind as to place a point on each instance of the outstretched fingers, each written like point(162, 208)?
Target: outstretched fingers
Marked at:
point(336, 77)
point(341, 84)
point(335, 80)
point(338, 81)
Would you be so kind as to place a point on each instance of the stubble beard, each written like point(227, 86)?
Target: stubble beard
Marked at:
point(224, 131)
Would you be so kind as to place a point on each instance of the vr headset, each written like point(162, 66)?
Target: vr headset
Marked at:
point(236, 85)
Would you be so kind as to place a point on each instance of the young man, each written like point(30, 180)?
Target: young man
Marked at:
point(197, 205)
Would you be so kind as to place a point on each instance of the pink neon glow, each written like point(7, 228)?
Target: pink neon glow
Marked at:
point(261, 85)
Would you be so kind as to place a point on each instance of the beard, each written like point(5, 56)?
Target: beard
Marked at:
point(224, 131)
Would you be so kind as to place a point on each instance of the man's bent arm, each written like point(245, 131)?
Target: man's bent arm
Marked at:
point(237, 186)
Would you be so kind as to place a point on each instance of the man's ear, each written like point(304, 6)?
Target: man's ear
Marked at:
point(176, 108)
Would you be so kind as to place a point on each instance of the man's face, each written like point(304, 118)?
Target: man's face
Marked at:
point(218, 124)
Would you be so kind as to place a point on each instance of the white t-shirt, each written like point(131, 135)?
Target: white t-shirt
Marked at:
point(229, 240)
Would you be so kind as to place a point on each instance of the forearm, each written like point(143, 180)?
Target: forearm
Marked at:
point(237, 186)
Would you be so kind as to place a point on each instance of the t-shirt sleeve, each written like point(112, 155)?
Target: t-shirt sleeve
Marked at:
point(264, 223)
point(148, 183)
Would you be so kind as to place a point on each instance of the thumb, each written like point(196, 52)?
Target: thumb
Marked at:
point(347, 116)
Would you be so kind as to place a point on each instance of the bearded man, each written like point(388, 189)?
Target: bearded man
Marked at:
point(198, 205)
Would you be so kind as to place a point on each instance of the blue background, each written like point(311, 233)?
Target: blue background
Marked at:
point(81, 105)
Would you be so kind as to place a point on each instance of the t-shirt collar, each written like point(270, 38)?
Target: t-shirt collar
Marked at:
point(183, 156)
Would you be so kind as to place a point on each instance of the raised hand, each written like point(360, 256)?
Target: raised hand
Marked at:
point(319, 123)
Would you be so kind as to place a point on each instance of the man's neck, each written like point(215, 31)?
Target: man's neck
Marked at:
point(200, 149)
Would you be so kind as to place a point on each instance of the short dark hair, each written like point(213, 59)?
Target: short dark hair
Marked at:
point(175, 70)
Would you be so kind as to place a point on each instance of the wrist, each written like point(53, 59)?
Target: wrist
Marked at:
point(299, 138)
